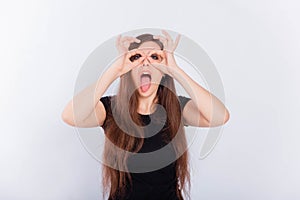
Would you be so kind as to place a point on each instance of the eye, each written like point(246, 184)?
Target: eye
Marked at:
point(135, 57)
point(154, 57)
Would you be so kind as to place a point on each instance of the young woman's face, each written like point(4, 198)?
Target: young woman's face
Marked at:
point(146, 77)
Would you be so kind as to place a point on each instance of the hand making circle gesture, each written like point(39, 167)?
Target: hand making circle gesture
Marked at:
point(126, 61)
point(169, 48)
point(169, 44)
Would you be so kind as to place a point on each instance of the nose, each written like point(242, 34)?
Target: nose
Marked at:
point(146, 61)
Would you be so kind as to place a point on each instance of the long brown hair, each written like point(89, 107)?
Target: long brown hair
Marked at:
point(115, 181)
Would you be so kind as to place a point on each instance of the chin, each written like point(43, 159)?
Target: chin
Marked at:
point(152, 89)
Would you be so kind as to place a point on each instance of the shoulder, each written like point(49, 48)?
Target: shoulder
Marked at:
point(183, 100)
point(106, 100)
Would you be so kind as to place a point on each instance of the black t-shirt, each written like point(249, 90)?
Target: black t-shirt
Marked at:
point(158, 184)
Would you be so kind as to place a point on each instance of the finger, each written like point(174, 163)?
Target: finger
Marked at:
point(162, 39)
point(131, 39)
point(149, 61)
point(168, 36)
point(156, 66)
point(135, 51)
point(127, 41)
point(137, 63)
point(131, 52)
point(127, 37)
point(126, 44)
point(156, 37)
point(177, 41)
point(159, 65)
point(137, 40)
point(120, 46)
point(158, 52)
point(118, 39)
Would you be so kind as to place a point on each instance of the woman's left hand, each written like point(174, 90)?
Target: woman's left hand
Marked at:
point(169, 48)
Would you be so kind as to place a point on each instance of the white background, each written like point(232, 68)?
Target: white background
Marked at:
point(254, 44)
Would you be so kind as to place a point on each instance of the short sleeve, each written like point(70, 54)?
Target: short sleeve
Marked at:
point(106, 100)
point(182, 101)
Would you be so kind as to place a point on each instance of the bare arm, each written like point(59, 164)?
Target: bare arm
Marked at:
point(85, 109)
point(204, 109)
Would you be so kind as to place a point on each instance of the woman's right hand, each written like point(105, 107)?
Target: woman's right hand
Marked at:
point(127, 60)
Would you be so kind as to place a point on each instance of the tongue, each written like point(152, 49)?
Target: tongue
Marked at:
point(145, 83)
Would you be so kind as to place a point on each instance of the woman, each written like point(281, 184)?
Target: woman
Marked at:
point(147, 69)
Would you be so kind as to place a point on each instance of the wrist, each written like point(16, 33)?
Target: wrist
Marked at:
point(114, 71)
point(175, 71)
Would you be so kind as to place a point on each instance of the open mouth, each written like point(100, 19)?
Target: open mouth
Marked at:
point(145, 82)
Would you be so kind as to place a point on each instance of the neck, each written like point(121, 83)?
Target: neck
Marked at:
point(146, 104)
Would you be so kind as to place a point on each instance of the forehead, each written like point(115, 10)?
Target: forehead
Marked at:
point(148, 46)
